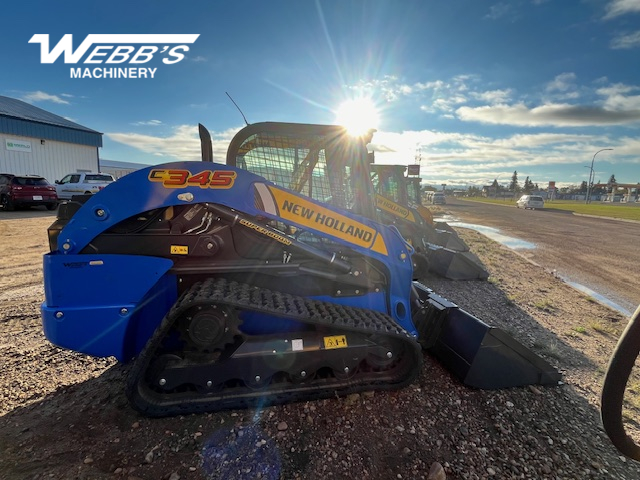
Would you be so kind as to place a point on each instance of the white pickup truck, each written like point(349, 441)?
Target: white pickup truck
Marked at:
point(82, 184)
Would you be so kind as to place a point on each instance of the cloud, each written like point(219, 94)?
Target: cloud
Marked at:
point(562, 87)
point(148, 123)
point(617, 98)
point(391, 89)
point(456, 158)
point(444, 104)
point(493, 96)
point(559, 115)
point(182, 144)
point(621, 7)
point(562, 82)
point(499, 10)
point(554, 104)
point(626, 41)
point(39, 96)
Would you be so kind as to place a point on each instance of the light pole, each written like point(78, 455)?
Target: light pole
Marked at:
point(588, 199)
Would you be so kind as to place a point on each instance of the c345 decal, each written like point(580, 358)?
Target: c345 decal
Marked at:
point(171, 178)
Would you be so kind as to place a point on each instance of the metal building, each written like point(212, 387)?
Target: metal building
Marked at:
point(119, 169)
point(34, 141)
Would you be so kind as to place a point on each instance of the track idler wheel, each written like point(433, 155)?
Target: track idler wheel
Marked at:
point(159, 365)
point(258, 382)
point(346, 372)
point(384, 354)
point(209, 328)
point(302, 376)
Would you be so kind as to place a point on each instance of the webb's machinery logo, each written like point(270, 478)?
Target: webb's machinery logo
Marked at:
point(117, 51)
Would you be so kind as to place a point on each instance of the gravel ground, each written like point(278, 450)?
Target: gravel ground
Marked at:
point(64, 415)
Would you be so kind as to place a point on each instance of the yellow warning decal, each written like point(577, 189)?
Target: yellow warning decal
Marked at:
point(179, 250)
point(392, 207)
point(302, 211)
point(335, 341)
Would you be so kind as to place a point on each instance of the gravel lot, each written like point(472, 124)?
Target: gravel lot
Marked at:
point(64, 415)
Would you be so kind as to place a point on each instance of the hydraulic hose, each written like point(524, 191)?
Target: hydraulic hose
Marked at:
point(615, 382)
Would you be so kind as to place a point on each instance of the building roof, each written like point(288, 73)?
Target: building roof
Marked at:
point(117, 164)
point(21, 118)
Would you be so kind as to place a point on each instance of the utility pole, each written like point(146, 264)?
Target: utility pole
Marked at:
point(588, 199)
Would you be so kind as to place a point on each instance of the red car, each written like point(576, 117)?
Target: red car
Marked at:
point(26, 191)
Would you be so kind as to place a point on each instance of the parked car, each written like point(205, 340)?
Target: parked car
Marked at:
point(82, 184)
point(435, 198)
point(26, 191)
point(530, 201)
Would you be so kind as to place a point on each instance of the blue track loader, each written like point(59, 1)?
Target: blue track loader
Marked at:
point(264, 280)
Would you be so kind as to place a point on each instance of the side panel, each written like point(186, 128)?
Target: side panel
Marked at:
point(90, 300)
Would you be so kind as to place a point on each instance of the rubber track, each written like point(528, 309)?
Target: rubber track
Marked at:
point(338, 318)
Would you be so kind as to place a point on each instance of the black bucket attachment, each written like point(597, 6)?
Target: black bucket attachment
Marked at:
point(455, 265)
point(445, 238)
point(481, 356)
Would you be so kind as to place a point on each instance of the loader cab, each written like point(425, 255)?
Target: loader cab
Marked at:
point(413, 190)
point(388, 181)
point(322, 162)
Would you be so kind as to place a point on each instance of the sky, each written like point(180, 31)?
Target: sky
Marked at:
point(471, 90)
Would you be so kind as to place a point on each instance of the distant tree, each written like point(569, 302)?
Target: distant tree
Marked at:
point(583, 187)
point(598, 190)
point(513, 186)
point(474, 191)
point(612, 179)
point(528, 186)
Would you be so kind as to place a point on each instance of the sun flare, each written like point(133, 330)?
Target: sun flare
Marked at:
point(358, 115)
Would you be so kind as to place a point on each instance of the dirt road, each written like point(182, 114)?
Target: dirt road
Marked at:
point(599, 253)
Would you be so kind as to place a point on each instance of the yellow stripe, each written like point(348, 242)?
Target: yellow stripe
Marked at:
point(303, 212)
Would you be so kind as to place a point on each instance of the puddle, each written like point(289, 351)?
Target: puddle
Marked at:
point(494, 234)
point(597, 296)
point(517, 244)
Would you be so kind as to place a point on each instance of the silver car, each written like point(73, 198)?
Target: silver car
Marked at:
point(530, 201)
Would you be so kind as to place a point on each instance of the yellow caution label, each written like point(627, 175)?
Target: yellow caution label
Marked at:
point(335, 341)
point(179, 250)
point(298, 209)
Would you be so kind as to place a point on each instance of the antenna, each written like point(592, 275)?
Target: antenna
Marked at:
point(245, 118)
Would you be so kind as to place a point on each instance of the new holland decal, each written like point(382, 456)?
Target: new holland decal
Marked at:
point(306, 213)
point(398, 210)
